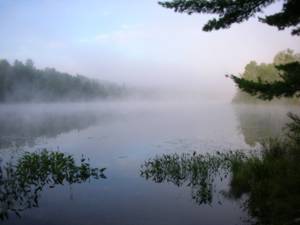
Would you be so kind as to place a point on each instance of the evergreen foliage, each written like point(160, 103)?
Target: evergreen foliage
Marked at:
point(23, 82)
point(237, 11)
point(288, 86)
point(267, 74)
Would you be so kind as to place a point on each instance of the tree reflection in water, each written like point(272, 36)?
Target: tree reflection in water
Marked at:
point(268, 182)
point(21, 183)
point(19, 129)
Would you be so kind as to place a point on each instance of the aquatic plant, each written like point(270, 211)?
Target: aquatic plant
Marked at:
point(195, 170)
point(266, 182)
point(22, 182)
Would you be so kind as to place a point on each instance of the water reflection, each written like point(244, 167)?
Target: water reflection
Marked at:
point(258, 123)
point(22, 182)
point(197, 171)
point(23, 128)
point(266, 184)
point(122, 137)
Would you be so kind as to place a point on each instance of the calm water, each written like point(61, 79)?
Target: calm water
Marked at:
point(121, 137)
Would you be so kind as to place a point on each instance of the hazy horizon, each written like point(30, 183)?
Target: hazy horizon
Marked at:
point(139, 44)
point(126, 112)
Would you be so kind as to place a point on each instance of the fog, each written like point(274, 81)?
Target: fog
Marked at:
point(35, 124)
point(137, 43)
point(123, 112)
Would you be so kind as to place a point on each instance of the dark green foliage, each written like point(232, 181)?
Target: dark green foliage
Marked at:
point(237, 11)
point(288, 17)
point(194, 170)
point(21, 183)
point(271, 182)
point(23, 82)
point(288, 86)
point(294, 128)
point(266, 73)
point(267, 181)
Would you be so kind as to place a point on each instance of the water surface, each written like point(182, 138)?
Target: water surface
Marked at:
point(121, 137)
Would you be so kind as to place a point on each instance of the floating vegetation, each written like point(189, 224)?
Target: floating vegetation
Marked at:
point(21, 183)
point(194, 170)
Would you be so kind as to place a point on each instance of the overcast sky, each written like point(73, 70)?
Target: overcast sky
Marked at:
point(135, 42)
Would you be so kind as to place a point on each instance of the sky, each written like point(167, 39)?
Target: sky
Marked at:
point(136, 42)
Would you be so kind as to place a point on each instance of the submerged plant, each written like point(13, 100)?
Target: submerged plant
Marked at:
point(21, 183)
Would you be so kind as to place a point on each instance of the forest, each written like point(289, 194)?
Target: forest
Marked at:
point(22, 82)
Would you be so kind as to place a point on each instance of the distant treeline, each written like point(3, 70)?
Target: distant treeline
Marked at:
point(22, 82)
point(266, 72)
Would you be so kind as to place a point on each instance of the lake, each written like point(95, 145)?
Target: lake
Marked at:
point(121, 137)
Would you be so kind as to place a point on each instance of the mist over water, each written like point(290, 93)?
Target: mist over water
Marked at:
point(124, 113)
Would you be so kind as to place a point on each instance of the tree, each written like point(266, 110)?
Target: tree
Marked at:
point(266, 73)
point(22, 82)
point(237, 11)
point(285, 57)
point(288, 86)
